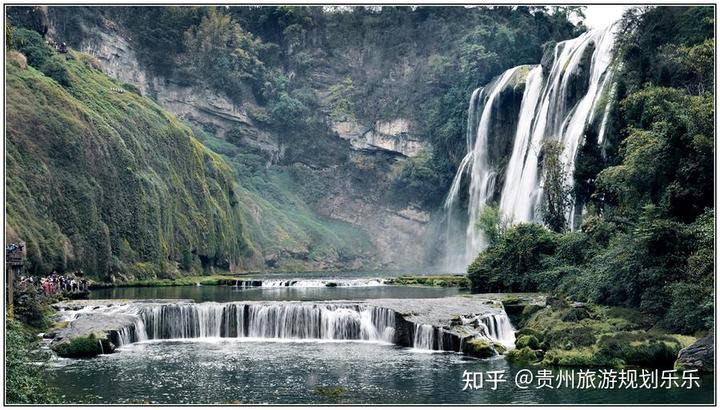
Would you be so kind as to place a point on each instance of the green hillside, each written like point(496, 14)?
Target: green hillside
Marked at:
point(102, 179)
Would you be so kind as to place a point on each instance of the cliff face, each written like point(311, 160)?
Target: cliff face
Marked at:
point(352, 191)
point(102, 179)
point(343, 125)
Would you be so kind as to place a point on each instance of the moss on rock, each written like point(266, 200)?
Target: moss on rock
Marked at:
point(79, 347)
point(527, 341)
point(479, 348)
point(524, 356)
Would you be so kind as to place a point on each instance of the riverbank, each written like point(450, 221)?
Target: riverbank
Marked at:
point(565, 333)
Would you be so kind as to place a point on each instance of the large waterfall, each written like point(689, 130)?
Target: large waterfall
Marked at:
point(558, 103)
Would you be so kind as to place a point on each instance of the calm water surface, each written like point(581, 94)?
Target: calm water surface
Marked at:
point(230, 293)
point(228, 371)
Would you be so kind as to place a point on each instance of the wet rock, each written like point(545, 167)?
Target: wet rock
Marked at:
point(698, 355)
point(479, 348)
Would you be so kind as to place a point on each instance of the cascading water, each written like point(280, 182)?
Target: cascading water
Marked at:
point(263, 321)
point(424, 338)
point(482, 176)
point(493, 328)
point(309, 283)
point(550, 110)
point(286, 321)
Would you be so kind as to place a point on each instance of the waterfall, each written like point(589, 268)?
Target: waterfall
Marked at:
point(309, 283)
point(255, 320)
point(424, 337)
point(551, 109)
point(287, 321)
point(475, 162)
point(494, 328)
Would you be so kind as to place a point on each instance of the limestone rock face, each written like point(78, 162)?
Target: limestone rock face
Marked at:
point(698, 355)
point(353, 191)
point(393, 136)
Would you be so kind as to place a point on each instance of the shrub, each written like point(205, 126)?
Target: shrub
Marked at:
point(479, 348)
point(523, 356)
point(54, 68)
point(78, 347)
point(32, 45)
point(527, 341)
point(640, 348)
point(510, 265)
point(24, 380)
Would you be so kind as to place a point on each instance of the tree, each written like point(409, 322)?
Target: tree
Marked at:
point(492, 224)
point(556, 201)
point(222, 53)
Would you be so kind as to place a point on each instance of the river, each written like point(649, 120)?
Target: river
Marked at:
point(228, 370)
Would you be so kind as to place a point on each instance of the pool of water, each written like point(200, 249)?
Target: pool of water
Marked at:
point(230, 293)
point(234, 371)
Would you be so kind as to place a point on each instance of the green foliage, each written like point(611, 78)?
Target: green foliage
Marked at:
point(509, 265)
point(221, 53)
point(342, 107)
point(479, 348)
point(102, 180)
point(287, 111)
point(600, 337)
point(491, 224)
point(79, 347)
point(31, 306)
point(416, 180)
point(459, 281)
point(25, 380)
point(640, 348)
point(527, 341)
point(556, 198)
point(54, 68)
point(522, 356)
point(32, 45)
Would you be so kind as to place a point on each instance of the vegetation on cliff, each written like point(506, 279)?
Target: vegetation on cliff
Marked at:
point(300, 66)
point(101, 179)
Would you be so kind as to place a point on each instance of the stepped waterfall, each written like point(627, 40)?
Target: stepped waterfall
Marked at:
point(290, 321)
point(558, 103)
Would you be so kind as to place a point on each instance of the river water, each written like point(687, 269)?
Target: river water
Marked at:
point(223, 370)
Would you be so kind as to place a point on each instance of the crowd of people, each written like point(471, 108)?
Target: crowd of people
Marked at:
point(56, 283)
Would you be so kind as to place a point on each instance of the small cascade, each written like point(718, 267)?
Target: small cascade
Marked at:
point(495, 328)
point(265, 321)
point(308, 283)
point(557, 105)
point(424, 338)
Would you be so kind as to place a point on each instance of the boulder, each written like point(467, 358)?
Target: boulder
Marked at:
point(479, 348)
point(699, 355)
